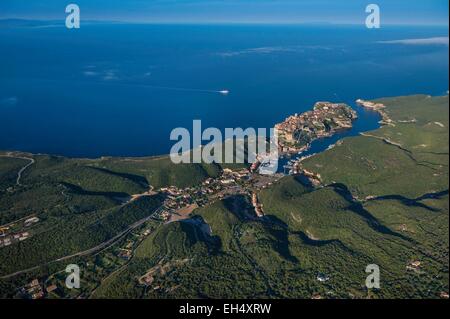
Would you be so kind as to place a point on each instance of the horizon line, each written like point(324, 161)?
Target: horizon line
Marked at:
point(187, 22)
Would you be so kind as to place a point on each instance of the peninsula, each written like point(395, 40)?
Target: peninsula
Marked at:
point(149, 228)
point(299, 130)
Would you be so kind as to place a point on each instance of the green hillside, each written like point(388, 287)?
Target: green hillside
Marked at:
point(383, 200)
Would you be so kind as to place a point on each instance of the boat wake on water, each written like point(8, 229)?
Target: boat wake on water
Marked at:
point(223, 92)
point(171, 88)
point(143, 85)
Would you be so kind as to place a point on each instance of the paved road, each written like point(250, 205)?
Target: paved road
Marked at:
point(19, 174)
point(90, 250)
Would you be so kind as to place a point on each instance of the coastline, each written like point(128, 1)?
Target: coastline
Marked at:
point(16, 153)
point(372, 105)
point(324, 143)
point(339, 175)
point(295, 165)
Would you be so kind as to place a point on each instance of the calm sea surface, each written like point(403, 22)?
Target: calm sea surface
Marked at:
point(120, 89)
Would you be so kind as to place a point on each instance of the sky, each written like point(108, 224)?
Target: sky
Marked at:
point(409, 12)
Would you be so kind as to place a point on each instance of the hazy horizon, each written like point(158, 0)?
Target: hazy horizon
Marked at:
point(393, 12)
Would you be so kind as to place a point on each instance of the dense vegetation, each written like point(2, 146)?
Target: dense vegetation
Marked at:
point(80, 202)
point(383, 200)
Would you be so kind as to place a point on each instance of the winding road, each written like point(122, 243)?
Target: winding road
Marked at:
point(92, 250)
point(20, 172)
point(85, 252)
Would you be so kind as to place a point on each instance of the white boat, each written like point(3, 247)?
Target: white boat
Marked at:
point(224, 92)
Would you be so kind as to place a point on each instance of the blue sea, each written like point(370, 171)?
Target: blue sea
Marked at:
point(119, 89)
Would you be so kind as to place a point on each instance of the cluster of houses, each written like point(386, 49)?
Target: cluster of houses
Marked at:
point(179, 198)
point(180, 202)
point(8, 239)
point(235, 176)
point(35, 290)
point(297, 131)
